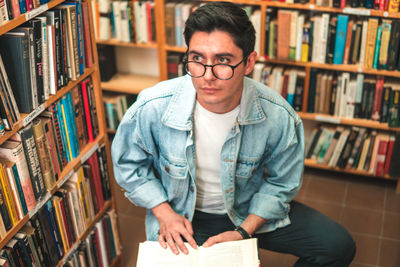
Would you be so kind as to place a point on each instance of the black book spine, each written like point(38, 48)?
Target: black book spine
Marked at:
point(331, 40)
point(51, 217)
point(24, 249)
point(50, 242)
point(59, 47)
point(394, 46)
point(311, 91)
point(41, 239)
point(105, 181)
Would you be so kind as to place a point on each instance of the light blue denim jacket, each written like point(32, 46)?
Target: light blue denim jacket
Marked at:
point(261, 160)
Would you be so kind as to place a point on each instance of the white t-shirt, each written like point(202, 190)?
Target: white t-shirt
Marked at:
point(211, 130)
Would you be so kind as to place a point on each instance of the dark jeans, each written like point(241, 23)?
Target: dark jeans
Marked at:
point(313, 237)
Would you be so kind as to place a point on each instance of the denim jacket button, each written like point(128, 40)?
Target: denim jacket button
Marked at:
point(167, 168)
point(186, 216)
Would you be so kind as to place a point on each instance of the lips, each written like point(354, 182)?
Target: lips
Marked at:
point(209, 90)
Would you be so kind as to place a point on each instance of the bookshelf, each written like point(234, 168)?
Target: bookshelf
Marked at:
point(99, 143)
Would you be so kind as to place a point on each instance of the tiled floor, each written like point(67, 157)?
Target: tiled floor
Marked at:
point(368, 208)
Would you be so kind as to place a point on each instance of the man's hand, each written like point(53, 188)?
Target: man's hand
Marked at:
point(223, 237)
point(172, 227)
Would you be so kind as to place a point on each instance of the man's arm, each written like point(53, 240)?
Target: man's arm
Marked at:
point(250, 225)
point(172, 227)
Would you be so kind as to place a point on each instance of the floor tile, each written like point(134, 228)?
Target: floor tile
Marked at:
point(391, 225)
point(325, 189)
point(390, 253)
point(367, 249)
point(367, 194)
point(392, 202)
point(362, 220)
point(289, 260)
point(270, 258)
point(332, 210)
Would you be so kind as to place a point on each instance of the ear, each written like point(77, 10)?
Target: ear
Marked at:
point(251, 61)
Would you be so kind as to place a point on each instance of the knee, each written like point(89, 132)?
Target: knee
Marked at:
point(342, 247)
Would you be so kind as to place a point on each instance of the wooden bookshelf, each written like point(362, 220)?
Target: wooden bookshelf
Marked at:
point(86, 151)
point(129, 83)
point(115, 42)
point(347, 121)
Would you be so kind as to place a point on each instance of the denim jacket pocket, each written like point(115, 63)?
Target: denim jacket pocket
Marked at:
point(246, 168)
point(173, 175)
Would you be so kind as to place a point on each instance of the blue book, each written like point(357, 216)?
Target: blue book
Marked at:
point(55, 232)
point(369, 4)
point(79, 26)
point(377, 48)
point(62, 126)
point(22, 6)
point(340, 40)
point(178, 24)
point(19, 188)
point(71, 124)
point(68, 127)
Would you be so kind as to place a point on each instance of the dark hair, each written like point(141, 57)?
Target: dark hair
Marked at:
point(223, 16)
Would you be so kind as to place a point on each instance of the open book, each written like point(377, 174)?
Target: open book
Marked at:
point(241, 253)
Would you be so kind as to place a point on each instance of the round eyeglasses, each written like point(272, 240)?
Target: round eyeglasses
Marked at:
point(221, 71)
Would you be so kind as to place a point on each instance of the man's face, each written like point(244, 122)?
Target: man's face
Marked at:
point(217, 47)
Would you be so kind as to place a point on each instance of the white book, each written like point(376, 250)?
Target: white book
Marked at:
point(293, 34)
point(344, 94)
point(338, 96)
point(363, 42)
point(299, 38)
point(339, 147)
point(52, 67)
point(316, 36)
point(351, 99)
point(105, 29)
point(257, 71)
point(115, 5)
point(3, 13)
point(45, 58)
point(255, 18)
point(102, 243)
point(359, 89)
point(241, 253)
point(104, 6)
point(324, 38)
point(124, 22)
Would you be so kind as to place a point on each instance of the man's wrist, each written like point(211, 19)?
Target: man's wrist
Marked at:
point(243, 232)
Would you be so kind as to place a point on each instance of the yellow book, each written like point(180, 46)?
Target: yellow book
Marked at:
point(83, 195)
point(370, 45)
point(364, 153)
point(8, 195)
point(385, 38)
point(394, 5)
point(60, 222)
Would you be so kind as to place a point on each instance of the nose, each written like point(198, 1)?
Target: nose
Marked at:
point(209, 75)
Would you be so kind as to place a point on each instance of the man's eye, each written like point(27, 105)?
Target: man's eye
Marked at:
point(224, 60)
point(196, 58)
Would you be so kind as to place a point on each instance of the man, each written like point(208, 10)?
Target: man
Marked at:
point(215, 156)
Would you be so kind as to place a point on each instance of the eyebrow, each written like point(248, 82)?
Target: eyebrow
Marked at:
point(217, 55)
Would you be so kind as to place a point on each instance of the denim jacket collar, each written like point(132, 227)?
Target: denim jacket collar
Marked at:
point(180, 110)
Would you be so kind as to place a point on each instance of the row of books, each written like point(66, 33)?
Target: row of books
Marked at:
point(176, 14)
point(355, 148)
point(35, 156)
point(45, 53)
point(69, 212)
point(100, 247)
point(340, 94)
point(383, 5)
point(10, 10)
point(339, 39)
point(125, 21)
point(115, 106)
point(34, 244)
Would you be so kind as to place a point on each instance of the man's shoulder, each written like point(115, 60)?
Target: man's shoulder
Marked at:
point(271, 100)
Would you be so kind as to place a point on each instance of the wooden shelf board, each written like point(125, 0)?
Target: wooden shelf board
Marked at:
point(313, 164)
point(25, 118)
point(129, 83)
point(353, 122)
point(115, 42)
point(341, 67)
point(28, 15)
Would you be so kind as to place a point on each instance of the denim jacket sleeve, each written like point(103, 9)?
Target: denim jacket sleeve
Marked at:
point(283, 171)
point(133, 163)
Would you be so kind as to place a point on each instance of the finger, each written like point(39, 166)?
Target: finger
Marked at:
point(171, 244)
point(161, 240)
point(188, 226)
point(178, 240)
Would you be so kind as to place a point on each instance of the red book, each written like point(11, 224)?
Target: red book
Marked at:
point(64, 215)
point(94, 164)
point(381, 155)
point(376, 108)
point(86, 35)
point(29, 5)
point(392, 138)
point(86, 106)
point(342, 3)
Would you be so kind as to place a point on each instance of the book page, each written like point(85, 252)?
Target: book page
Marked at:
point(151, 254)
point(241, 253)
